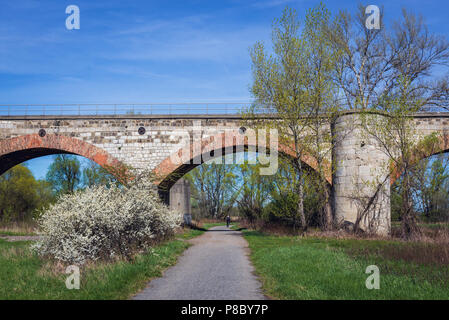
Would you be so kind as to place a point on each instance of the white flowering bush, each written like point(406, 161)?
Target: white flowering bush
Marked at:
point(102, 223)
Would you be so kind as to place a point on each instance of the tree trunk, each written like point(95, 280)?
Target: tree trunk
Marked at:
point(410, 226)
point(300, 207)
point(328, 216)
point(300, 187)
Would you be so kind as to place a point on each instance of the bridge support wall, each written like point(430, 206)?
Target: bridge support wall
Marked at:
point(180, 199)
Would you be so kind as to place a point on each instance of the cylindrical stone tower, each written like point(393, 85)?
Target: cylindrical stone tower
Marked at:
point(360, 178)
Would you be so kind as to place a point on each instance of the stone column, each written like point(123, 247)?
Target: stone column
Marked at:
point(180, 199)
point(360, 173)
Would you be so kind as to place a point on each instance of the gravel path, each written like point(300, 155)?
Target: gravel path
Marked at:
point(216, 267)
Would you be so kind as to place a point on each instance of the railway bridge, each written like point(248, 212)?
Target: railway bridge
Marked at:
point(172, 144)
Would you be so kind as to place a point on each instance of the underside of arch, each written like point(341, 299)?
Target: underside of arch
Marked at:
point(420, 153)
point(16, 150)
point(168, 171)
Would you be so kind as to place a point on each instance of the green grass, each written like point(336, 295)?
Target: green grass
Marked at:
point(23, 275)
point(207, 226)
point(430, 225)
point(318, 268)
point(15, 233)
point(235, 226)
point(189, 234)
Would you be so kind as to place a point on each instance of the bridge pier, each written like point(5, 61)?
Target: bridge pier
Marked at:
point(360, 177)
point(164, 196)
point(179, 199)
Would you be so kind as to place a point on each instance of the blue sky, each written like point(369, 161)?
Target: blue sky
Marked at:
point(147, 51)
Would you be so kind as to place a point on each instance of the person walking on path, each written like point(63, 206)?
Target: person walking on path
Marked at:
point(228, 220)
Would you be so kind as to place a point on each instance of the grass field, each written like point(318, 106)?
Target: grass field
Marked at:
point(23, 275)
point(323, 268)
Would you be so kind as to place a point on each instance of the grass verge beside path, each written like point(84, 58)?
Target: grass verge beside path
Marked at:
point(324, 268)
point(23, 275)
point(207, 226)
point(14, 233)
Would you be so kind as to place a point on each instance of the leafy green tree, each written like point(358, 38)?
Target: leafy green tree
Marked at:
point(254, 191)
point(395, 132)
point(278, 87)
point(45, 193)
point(321, 104)
point(94, 174)
point(295, 85)
point(18, 194)
point(213, 188)
point(430, 185)
point(283, 197)
point(64, 173)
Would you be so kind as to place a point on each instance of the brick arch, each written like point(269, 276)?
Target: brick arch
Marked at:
point(420, 154)
point(22, 148)
point(168, 172)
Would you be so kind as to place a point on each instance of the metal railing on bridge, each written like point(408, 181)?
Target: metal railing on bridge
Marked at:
point(194, 108)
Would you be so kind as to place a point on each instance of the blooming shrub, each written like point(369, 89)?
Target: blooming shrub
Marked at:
point(102, 223)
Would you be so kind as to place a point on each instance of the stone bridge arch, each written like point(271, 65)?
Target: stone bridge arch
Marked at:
point(167, 172)
point(419, 154)
point(16, 150)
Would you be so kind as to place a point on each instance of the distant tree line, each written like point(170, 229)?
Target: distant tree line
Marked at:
point(218, 189)
point(22, 195)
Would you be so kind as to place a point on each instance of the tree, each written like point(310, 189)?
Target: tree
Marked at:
point(283, 198)
point(45, 193)
point(213, 188)
point(373, 61)
point(295, 85)
point(97, 175)
point(64, 173)
point(321, 103)
point(18, 194)
point(278, 88)
point(430, 185)
point(396, 134)
point(253, 189)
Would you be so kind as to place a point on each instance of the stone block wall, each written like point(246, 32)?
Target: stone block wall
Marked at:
point(120, 137)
